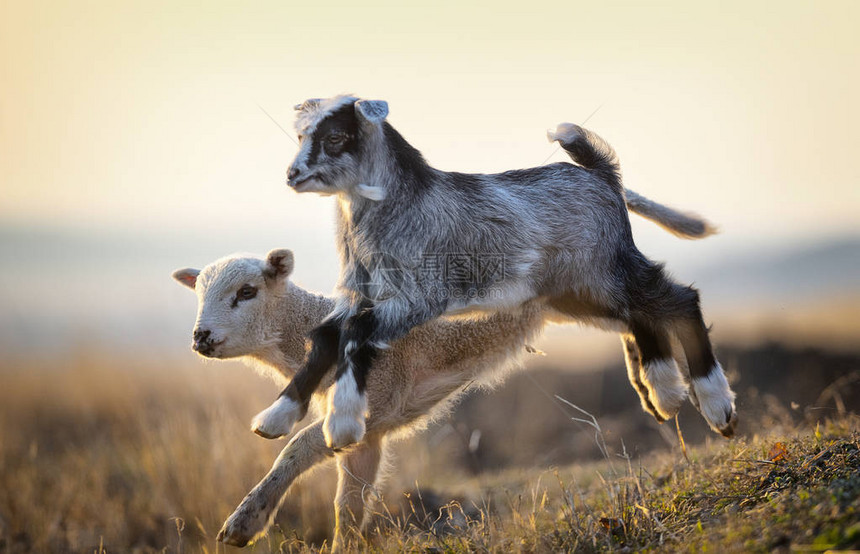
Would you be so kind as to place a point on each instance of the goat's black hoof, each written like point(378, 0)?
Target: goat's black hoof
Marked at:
point(729, 430)
point(261, 433)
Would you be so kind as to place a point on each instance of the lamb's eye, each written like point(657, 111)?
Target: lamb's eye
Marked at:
point(246, 292)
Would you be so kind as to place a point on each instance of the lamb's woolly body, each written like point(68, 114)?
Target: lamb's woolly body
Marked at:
point(415, 373)
point(418, 378)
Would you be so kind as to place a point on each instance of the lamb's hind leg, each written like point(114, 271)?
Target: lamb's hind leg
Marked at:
point(357, 471)
point(255, 513)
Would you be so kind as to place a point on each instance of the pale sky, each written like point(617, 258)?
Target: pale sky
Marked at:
point(145, 114)
point(143, 117)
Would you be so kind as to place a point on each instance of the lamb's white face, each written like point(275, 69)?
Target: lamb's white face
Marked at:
point(233, 295)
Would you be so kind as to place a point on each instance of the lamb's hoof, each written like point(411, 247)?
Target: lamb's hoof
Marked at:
point(240, 529)
point(343, 430)
point(278, 419)
point(564, 133)
point(232, 540)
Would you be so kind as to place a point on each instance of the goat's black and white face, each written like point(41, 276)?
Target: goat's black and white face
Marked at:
point(234, 298)
point(334, 134)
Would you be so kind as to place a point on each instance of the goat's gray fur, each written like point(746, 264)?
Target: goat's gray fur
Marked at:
point(685, 226)
point(559, 232)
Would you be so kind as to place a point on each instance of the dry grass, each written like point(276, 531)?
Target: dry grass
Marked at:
point(792, 488)
point(121, 457)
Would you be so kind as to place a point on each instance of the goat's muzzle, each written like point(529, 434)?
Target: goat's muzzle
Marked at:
point(293, 175)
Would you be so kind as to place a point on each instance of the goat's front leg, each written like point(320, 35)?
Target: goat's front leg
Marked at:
point(255, 513)
point(357, 471)
point(292, 404)
point(347, 405)
point(362, 337)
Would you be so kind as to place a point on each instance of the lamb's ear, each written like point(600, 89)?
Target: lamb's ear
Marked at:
point(187, 277)
point(371, 111)
point(279, 264)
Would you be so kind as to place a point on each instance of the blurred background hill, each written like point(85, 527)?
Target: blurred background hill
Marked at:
point(63, 288)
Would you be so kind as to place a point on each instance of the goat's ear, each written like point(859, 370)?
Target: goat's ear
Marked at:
point(372, 111)
point(307, 104)
point(187, 277)
point(279, 264)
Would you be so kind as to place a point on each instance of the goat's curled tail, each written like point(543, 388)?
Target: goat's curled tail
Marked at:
point(590, 151)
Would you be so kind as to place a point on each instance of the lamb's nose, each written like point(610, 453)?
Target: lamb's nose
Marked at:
point(201, 340)
point(292, 173)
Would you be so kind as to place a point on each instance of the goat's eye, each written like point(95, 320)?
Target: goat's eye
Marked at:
point(336, 139)
point(246, 292)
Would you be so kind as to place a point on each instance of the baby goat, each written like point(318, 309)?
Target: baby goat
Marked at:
point(416, 242)
point(248, 308)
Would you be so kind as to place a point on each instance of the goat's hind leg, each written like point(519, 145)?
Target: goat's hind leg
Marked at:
point(632, 358)
point(710, 390)
point(659, 371)
point(582, 308)
point(255, 513)
point(672, 312)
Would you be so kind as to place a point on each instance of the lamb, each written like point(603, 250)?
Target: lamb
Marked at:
point(249, 309)
point(559, 233)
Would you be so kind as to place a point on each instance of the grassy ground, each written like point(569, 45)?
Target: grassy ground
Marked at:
point(790, 489)
point(121, 457)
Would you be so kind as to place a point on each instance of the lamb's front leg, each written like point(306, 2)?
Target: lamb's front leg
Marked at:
point(254, 515)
